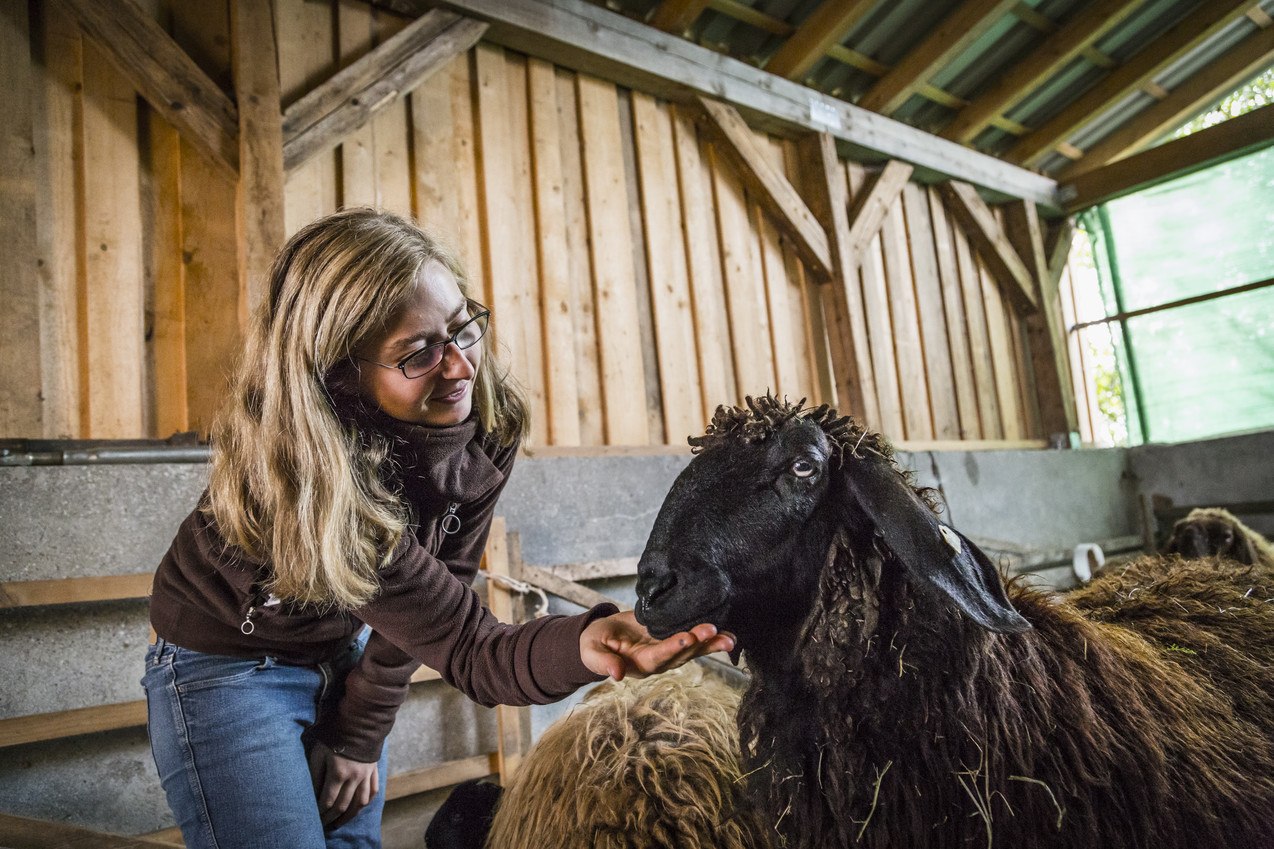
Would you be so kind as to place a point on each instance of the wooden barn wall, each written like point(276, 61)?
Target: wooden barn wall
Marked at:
point(635, 283)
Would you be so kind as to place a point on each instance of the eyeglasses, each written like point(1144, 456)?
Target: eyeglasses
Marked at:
point(428, 358)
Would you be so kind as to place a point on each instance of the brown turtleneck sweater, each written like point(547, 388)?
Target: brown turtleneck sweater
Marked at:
point(425, 611)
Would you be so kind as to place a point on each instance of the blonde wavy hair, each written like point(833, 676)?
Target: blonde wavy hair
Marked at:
point(300, 475)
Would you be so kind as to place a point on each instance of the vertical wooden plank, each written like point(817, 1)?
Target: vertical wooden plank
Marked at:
point(847, 366)
point(260, 192)
point(879, 326)
point(21, 412)
point(355, 38)
point(1003, 357)
point(956, 325)
point(707, 292)
point(168, 337)
point(496, 561)
point(908, 348)
point(641, 274)
point(744, 284)
point(933, 324)
point(979, 337)
point(799, 291)
point(59, 167)
point(114, 294)
point(306, 59)
point(509, 232)
point(1075, 356)
point(209, 242)
point(467, 179)
point(588, 381)
point(557, 310)
point(614, 279)
point(433, 145)
point(390, 131)
point(784, 335)
point(668, 268)
point(1028, 393)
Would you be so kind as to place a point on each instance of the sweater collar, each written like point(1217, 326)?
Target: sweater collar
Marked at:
point(446, 460)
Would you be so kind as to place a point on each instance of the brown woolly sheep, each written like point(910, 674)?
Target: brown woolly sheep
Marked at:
point(1208, 531)
point(904, 696)
point(639, 764)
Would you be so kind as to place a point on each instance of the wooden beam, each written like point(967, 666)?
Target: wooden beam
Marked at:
point(872, 205)
point(769, 186)
point(163, 74)
point(499, 566)
point(259, 218)
point(752, 17)
point(1044, 328)
point(585, 37)
point(23, 833)
point(825, 186)
point(35, 728)
point(346, 102)
point(1212, 146)
point(987, 235)
point(964, 25)
point(569, 590)
point(74, 590)
point(1194, 29)
point(676, 16)
point(1208, 85)
point(1012, 86)
point(440, 775)
point(828, 24)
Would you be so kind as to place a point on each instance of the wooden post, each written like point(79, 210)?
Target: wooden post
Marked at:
point(260, 226)
point(499, 564)
point(1046, 335)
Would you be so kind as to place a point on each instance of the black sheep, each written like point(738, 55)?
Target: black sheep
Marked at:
point(464, 819)
point(902, 695)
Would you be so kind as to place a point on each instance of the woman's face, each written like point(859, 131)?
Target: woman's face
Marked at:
point(431, 314)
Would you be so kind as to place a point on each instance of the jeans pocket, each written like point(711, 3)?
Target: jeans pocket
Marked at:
point(194, 670)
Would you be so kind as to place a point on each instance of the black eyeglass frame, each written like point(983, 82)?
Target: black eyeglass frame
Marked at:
point(401, 365)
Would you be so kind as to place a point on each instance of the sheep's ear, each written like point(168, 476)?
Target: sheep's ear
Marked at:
point(933, 552)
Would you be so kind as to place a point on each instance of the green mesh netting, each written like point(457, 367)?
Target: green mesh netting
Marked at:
point(1204, 369)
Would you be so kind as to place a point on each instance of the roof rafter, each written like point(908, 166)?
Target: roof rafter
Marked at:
point(965, 25)
point(676, 16)
point(1212, 146)
point(827, 25)
point(1187, 34)
point(1056, 51)
point(1212, 82)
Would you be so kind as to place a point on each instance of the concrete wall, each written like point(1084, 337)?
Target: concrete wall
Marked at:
point(99, 520)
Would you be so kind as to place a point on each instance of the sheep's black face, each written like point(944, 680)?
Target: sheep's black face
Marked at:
point(724, 544)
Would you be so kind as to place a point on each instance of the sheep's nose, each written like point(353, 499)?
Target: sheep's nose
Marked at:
point(654, 579)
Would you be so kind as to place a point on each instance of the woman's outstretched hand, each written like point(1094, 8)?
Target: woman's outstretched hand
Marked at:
point(618, 646)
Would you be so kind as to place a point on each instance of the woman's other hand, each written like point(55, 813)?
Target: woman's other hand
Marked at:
point(618, 646)
point(343, 787)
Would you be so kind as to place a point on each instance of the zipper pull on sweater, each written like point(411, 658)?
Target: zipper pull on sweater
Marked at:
point(451, 522)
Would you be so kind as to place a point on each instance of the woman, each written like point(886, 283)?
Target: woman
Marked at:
point(367, 437)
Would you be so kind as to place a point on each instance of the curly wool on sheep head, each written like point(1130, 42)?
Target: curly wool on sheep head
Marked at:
point(766, 492)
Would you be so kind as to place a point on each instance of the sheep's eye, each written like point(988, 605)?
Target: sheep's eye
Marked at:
point(802, 468)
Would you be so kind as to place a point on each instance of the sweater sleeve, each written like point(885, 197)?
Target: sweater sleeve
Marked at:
point(426, 613)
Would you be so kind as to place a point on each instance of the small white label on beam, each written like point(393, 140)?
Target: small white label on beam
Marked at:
point(824, 113)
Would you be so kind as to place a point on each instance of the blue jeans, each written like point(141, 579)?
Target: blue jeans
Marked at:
point(229, 740)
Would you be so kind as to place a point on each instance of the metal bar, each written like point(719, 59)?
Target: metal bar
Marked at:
point(106, 456)
point(1183, 302)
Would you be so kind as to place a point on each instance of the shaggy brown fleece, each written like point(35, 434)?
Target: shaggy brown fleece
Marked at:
point(1139, 712)
point(1213, 530)
point(640, 764)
